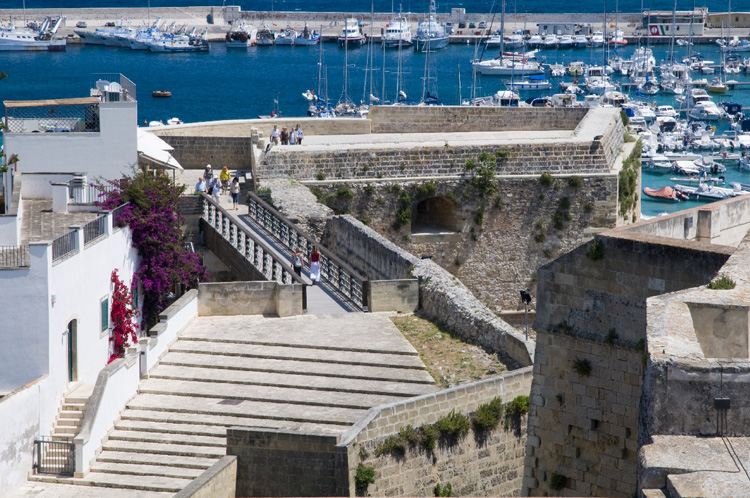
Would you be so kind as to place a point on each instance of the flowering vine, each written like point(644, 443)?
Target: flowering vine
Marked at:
point(122, 318)
point(154, 218)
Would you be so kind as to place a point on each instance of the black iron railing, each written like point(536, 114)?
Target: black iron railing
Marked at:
point(334, 271)
point(94, 229)
point(117, 221)
point(64, 245)
point(54, 457)
point(256, 251)
point(14, 256)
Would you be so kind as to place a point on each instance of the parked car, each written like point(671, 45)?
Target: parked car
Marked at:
point(461, 25)
point(472, 25)
point(110, 24)
point(482, 25)
point(449, 28)
point(80, 24)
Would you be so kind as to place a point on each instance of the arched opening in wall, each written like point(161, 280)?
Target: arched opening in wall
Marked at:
point(72, 353)
point(435, 215)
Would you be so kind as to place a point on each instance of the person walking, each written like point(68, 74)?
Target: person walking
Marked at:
point(298, 132)
point(207, 173)
point(275, 135)
point(201, 185)
point(234, 191)
point(315, 265)
point(284, 136)
point(224, 176)
point(297, 261)
point(292, 137)
point(216, 190)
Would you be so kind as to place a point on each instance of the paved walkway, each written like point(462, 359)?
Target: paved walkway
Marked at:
point(307, 374)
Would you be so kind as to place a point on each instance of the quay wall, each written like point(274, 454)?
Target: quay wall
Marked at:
point(244, 127)
point(588, 371)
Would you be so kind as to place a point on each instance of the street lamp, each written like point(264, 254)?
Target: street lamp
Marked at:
point(526, 298)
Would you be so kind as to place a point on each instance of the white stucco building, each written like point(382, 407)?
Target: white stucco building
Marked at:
point(57, 254)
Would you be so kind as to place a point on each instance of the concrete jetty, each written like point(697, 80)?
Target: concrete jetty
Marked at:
point(329, 24)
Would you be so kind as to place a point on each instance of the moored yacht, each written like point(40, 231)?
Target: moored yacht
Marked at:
point(597, 39)
point(241, 36)
point(265, 36)
point(43, 38)
point(431, 34)
point(307, 37)
point(352, 34)
point(397, 33)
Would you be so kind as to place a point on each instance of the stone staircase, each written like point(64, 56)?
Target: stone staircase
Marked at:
point(308, 373)
point(70, 417)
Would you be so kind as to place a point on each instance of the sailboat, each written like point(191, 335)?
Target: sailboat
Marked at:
point(515, 64)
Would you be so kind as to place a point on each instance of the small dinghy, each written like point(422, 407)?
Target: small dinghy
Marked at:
point(665, 194)
point(161, 93)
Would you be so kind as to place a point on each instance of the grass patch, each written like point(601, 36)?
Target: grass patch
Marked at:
point(582, 367)
point(546, 180)
point(364, 476)
point(721, 283)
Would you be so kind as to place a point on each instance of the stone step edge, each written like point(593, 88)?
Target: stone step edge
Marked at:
point(243, 415)
point(112, 446)
point(299, 346)
point(259, 420)
point(176, 349)
point(284, 386)
point(158, 471)
point(146, 439)
point(163, 392)
point(105, 457)
point(99, 484)
point(166, 361)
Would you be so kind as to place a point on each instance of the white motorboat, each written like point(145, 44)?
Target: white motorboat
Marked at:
point(495, 40)
point(597, 39)
point(535, 41)
point(431, 34)
point(43, 38)
point(241, 36)
point(550, 41)
point(508, 67)
point(286, 36)
point(537, 82)
point(665, 111)
point(265, 37)
point(352, 34)
point(565, 41)
point(618, 37)
point(503, 98)
point(307, 37)
point(515, 40)
point(398, 33)
point(179, 43)
point(557, 70)
point(705, 111)
point(614, 99)
point(580, 41)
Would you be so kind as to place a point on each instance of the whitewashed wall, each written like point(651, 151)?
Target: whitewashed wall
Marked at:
point(109, 153)
point(39, 186)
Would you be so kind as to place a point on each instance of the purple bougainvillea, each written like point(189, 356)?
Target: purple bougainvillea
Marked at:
point(153, 215)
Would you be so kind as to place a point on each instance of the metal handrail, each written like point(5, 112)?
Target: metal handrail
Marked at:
point(94, 229)
point(64, 245)
point(252, 247)
point(339, 275)
point(54, 457)
point(116, 216)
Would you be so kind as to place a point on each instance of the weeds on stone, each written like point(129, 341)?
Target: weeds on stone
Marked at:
point(582, 367)
point(557, 481)
point(364, 476)
point(320, 176)
point(446, 490)
point(596, 250)
point(575, 182)
point(546, 179)
point(369, 190)
point(721, 283)
point(612, 336)
point(488, 415)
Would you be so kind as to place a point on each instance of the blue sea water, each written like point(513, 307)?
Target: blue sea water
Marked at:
point(473, 6)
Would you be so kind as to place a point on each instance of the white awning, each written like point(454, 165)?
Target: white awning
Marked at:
point(156, 150)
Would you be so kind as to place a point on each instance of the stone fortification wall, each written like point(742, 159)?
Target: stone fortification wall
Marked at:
point(499, 240)
point(591, 322)
point(583, 427)
point(243, 127)
point(446, 119)
point(194, 152)
point(442, 296)
point(474, 466)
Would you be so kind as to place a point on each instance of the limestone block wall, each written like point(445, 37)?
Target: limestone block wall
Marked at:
point(194, 152)
point(278, 463)
point(249, 298)
point(302, 163)
point(473, 466)
point(443, 119)
point(442, 296)
point(218, 481)
point(243, 127)
point(499, 240)
point(239, 266)
point(583, 427)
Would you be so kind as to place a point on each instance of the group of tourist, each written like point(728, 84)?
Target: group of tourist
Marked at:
point(286, 137)
point(214, 185)
point(298, 260)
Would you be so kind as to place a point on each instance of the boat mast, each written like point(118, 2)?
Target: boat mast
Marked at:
point(320, 63)
point(502, 31)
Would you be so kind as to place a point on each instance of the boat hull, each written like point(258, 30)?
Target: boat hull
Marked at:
point(356, 41)
point(422, 44)
point(390, 43)
point(33, 45)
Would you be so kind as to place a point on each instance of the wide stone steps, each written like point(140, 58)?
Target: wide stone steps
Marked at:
point(302, 341)
point(190, 428)
point(108, 480)
point(127, 457)
point(269, 394)
point(364, 372)
point(338, 384)
point(164, 449)
point(136, 469)
point(168, 438)
point(301, 354)
point(276, 411)
point(176, 420)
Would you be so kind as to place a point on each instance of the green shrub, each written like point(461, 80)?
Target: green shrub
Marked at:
point(426, 190)
point(403, 215)
point(318, 193)
point(588, 206)
point(596, 250)
point(502, 153)
point(541, 236)
point(393, 445)
point(612, 336)
point(452, 197)
point(558, 220)
point(470, 164)
point(488, 415)
point(320, 176)
point(628, 138)
point(721, 283)
point(364, 219)
point(546, 180)
point(453, 426)
point(519, 406)
point(582, 367)
point(575, 182)
point(369, 190)
point(627, 181)
point(625, 118)
point(344, 194)
point(557, 481)
point(479, 216)
point(563, 203)
point(364, 476)
point(444, 490)
point(428, 437)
